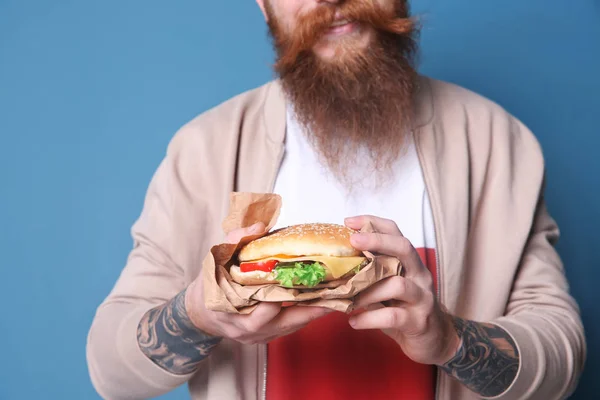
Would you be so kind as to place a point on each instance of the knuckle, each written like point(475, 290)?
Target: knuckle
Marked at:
point(283, 327)
point(233, 333)
point(428, 300)
point(378, 239)
point(392, 225)
point(318, 313)
point(393, 318)
point(400, 284)
point(404, 246)
point(250, 326)
point(428, 280)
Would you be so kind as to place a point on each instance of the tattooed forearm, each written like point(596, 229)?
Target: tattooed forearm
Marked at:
point(487, 360)
point(167, 336)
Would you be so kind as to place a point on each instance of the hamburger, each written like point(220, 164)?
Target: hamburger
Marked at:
point(301, 256)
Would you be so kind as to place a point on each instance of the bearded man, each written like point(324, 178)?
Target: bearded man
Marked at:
point(350, 132)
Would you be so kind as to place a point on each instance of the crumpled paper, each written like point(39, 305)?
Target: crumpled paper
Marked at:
point(222, 294)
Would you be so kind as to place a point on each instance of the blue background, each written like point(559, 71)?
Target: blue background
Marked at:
point(91, 92)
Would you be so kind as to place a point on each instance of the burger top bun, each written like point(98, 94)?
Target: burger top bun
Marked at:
point(302, 240)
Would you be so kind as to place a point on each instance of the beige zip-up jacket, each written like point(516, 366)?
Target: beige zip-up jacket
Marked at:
point(484, 172)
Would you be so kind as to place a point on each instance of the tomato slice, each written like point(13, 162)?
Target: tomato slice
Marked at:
point(266, 266)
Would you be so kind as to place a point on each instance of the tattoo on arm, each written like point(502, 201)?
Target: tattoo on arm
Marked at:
point(487, 360)
point(167, 336)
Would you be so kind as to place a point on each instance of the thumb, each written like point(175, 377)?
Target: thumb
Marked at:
point(236, 235)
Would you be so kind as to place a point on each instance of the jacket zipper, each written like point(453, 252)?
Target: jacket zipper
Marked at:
point(437, 238)
point(263, 395)
point(264, 382)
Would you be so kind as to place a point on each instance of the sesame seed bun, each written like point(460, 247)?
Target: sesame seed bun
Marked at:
point(302, 240)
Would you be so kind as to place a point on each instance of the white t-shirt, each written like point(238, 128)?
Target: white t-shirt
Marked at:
point(310, 193)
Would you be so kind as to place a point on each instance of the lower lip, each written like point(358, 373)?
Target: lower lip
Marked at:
point(343, 29)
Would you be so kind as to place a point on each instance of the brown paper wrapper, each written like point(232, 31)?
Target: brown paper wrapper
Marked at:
point(222, 294)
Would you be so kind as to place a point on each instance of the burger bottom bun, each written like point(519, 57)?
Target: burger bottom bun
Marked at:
point(251, 278)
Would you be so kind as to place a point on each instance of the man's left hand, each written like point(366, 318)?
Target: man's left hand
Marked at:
point(412, 315)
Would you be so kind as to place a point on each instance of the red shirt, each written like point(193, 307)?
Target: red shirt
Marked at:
point(330, 360)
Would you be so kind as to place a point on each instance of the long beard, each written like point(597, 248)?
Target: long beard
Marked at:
point(359, 105)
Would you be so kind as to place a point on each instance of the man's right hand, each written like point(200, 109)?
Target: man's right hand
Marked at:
point(268, 320)
point(179, 334)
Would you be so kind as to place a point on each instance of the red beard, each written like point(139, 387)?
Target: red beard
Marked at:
point(359, 103)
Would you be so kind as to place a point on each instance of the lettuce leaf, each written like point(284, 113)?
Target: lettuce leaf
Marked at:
point(301, 273)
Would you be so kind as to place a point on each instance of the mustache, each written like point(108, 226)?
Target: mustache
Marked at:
point(312, 26)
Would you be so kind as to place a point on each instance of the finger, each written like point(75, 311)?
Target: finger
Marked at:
point(381, 225)
point(394, 288)
point(383, 318)
point(278, 334)
point(391, 245)
point(257, 319)
point(295, 317)
point(236, 235)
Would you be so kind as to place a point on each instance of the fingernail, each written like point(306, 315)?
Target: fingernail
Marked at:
point(351, 219)
point(255, 228)
point(352, 321)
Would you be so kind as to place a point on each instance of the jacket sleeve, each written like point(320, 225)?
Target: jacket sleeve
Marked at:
point(153, 274)
point(543, 318)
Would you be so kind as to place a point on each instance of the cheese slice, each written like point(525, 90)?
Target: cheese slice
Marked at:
point(339, 266)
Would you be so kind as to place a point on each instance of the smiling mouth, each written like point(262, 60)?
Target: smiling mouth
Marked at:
point(342, 27)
